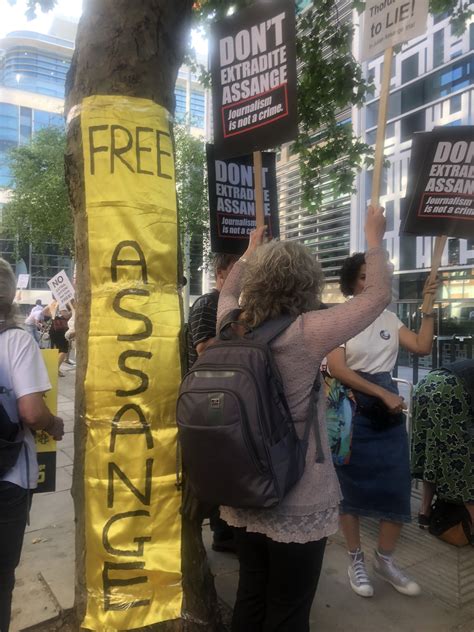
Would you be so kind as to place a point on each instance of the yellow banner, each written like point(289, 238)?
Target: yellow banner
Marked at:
point(45, 444)
point(133, 525)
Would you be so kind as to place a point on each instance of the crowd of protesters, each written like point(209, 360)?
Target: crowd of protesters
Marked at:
point(280, 549)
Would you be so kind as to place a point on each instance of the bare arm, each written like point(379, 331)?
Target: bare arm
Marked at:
point(338, 368)
point(420, 342)
point(33, 411)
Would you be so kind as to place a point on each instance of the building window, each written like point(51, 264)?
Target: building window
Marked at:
point(410, 68)
point(180, 94)
point(415, 122)
point(197, 109)
point(44, 119)
point(455, 104)
point(25, 125)
point(438, 48)
point(9, 122)
point(390, 215)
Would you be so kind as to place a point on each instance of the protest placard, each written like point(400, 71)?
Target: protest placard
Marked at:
point(391, 22)
point(232, 200)
point(387, 23)
point(45, 444)
point(440, 190)
point(253, 66)
point(22, 281)
point(61, 288)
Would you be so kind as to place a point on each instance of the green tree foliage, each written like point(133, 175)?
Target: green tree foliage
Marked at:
point(38, 211)
point(191, 182)
point(329, 81)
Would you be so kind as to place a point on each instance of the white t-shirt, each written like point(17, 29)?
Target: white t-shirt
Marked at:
point(22, 372)
point(35, 314)
point(375, 349)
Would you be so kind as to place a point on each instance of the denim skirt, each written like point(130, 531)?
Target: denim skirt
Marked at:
point(377, 482)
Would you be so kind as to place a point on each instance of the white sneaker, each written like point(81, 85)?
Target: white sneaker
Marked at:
point(358, 578)
point(387, 570)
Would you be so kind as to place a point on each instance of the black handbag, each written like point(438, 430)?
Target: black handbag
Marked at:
point(10, 446)
point(375, 410)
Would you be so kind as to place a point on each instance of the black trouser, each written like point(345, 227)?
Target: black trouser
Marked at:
point(13, 518)
point(277, 583)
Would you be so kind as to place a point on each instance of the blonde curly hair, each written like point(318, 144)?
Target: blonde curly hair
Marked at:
point(280, 278)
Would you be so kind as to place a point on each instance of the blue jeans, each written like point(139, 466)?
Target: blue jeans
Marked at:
point(14, 508)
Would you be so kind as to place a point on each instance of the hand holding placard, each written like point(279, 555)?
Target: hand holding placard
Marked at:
point(375, 224)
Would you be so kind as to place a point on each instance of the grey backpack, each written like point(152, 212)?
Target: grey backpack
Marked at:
point(238, 440)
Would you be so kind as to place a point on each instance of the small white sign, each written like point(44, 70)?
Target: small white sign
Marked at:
point(22, 282)
point(391, 22)
point(61, 288)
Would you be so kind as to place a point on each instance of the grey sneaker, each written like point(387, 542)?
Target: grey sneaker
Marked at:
point(358, 578)
point(387, 570)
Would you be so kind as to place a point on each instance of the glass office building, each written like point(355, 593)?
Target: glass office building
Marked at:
point(327, 230)
point(33, 70)
point(432, 84)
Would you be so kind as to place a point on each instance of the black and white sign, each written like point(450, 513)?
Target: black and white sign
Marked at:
point(22, 281)
point(61, 288)
point(440, 192)
point(253, 65)
point(232, 200)
point(391, 22)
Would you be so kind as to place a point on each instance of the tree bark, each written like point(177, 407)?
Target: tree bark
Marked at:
point(127, 48)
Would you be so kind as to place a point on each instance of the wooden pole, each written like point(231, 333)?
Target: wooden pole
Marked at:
point(257, 169)
point(381, 125)
point(440, 243)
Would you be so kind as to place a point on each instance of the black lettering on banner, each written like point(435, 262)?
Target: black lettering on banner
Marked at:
point(109, 583)
point(127, 430)
point(143, 497)
point(131, 353)
point(140, 541)
point(253, 67)
point(93, 149)
point(133, 315)
point(440, 194)
point(161, 152)
point(139, 149)
point(141, 261)
point(118, 151)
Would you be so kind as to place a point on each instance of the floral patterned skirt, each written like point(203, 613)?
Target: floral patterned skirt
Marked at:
point(443, 436)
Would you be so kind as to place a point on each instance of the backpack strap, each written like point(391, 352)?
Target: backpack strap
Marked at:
point(312, 419)
point(270, 329)
point(265, 334)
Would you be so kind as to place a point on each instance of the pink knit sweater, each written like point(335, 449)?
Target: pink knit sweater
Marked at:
point(310, 510)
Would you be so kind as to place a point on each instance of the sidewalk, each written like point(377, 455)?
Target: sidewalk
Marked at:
point(45, 577)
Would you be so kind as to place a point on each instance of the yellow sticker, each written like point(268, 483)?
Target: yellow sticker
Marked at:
point(133, 524)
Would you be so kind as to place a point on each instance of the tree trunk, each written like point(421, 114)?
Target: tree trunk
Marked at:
point(134, 49)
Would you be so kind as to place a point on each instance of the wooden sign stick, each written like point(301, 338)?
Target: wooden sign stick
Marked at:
point(257, 169)
point(440, 243)
point(381, 125)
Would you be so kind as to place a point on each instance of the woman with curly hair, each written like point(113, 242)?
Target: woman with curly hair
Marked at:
point(281, 549)
point(376, 481)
